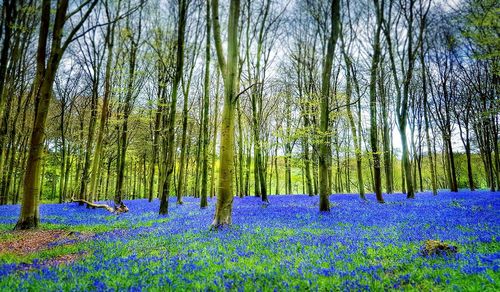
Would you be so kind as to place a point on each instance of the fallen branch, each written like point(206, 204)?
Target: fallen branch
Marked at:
point(121, 208)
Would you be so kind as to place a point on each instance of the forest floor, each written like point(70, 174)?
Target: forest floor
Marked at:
point(286, 245)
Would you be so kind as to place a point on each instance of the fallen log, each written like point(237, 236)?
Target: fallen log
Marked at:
point(121, 208)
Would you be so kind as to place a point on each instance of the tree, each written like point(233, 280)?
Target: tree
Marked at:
point(10, 13)
point(409, 55)
point(228, 67)
point(195, 49)
point(357, 145)
point(373, 101)
point(134, 37)
point(46, 70)
point(324, 148)
point(91, 57)
point(109, 45)
point(206, 105)
point(169, 123)
point(425, 105)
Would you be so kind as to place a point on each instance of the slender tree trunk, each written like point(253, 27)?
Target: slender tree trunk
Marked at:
point(430, 153)
point(182, 163)
point(276, 167)
point(494, 134)
point(90, 142)
point(386, 137)
point(206, 104)
point(324, 147)
point(9, 16)
point(469, 165)
point(127, 109)
point(63, 160)
point(67, 174)
point(214, 142)
point(247, 165)
point(96, 162)
point(154, 154)
point(256, 177)
point(451, 161)
point(425, 106)
point(240, 153)
point(357, 150)
point(373, 105)
point(288, 151)
point(307, 160)
point(170, 161)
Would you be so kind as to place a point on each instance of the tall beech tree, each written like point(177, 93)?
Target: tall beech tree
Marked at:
point(91, 57)
point(324, 147)
point(229, 71)
point(425, 100)
point(206, 106)
point(169, 122)
point(133, 38)
point(403, 79)
point(194, 51)
point(46, 69)
point(379, 10)
point(109, 41)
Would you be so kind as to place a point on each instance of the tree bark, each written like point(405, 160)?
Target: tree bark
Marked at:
point(206, 106)
point(90, 141)
point(170, 161)
point(223, 210)
point(127, 110)
point(352, 124)
point(373, 104)
point(96, 162)
point(41, 90)
point(324, 147)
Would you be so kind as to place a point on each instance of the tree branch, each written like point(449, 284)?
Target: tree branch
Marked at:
point(245, 90)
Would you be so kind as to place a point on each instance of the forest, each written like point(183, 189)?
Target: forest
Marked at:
point(265, 144)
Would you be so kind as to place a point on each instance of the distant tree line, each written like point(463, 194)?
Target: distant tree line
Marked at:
point(126, 99)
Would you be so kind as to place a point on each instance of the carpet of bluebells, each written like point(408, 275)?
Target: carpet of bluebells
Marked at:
point(287, 245)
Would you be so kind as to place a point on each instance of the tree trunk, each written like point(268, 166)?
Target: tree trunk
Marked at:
point(277, 186)
point(307, 160)
point(96, 162)
point(223, 210)
point(357, 150)
point(41, 89)
point(373, 106)
point(182, 163)
point(214, 146)
point(170, 161)
point(90, 141)
point(240, 153)
point(386, 136)
point(127, 109)
point(454, 184)
point(324, 147)
point(206, 105)
point(247, 165)
point(469, 166)
point(428, 137)
point(9, 14)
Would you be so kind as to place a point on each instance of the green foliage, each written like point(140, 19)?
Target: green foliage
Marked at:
point(482, 28)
